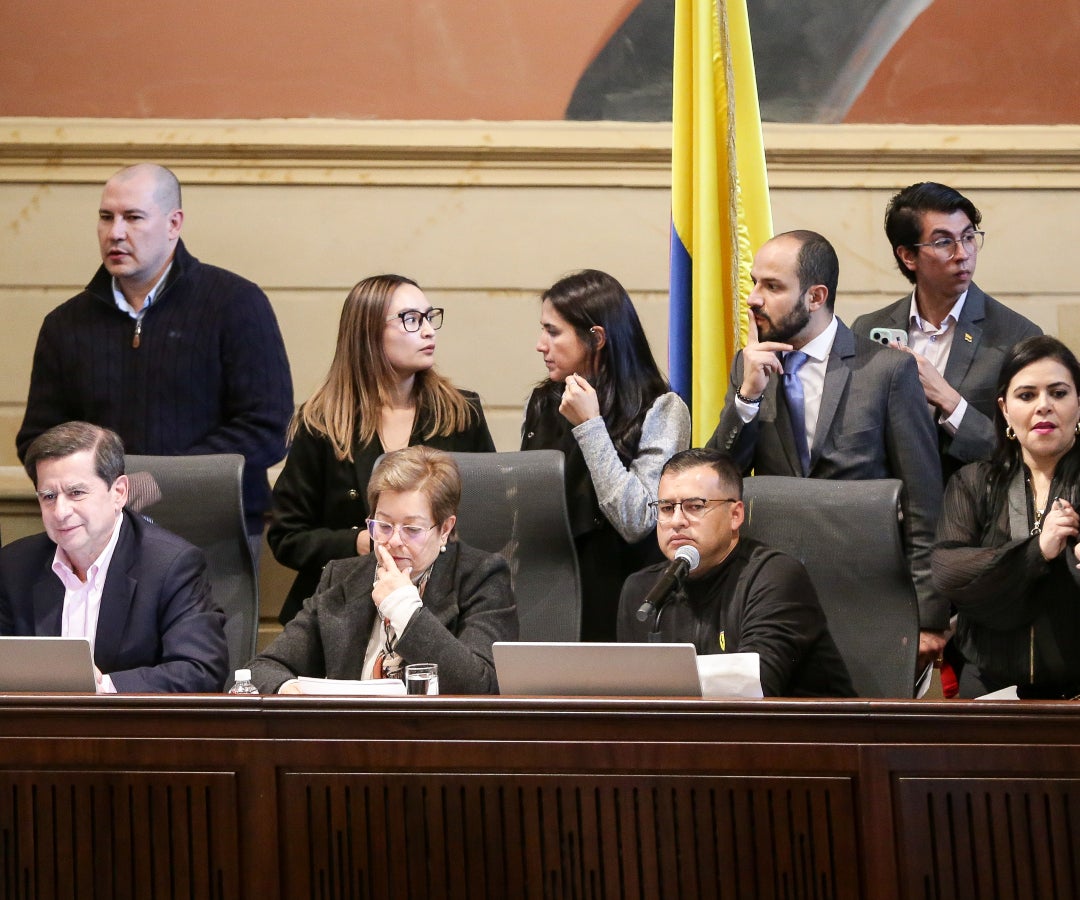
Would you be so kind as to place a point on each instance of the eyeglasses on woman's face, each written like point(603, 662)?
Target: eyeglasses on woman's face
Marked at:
point(383, 532)
point(413, 319)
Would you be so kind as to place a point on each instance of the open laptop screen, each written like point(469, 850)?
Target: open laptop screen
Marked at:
point(46, 664)
point(596, 670)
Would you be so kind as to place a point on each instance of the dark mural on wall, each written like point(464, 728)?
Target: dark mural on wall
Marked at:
point(813, 58)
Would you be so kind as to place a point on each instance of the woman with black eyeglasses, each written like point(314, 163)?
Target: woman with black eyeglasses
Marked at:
point(382, 393)
point(421, 596)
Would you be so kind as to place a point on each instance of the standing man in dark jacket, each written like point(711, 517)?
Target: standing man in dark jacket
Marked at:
point(176, 356)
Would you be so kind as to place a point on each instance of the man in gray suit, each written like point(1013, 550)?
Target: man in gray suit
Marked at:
point(807, 398)
point(957, 334)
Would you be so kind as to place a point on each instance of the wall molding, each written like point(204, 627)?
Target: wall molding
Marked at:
point(335, 152)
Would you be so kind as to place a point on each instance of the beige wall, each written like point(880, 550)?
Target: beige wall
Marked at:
point(486, 215)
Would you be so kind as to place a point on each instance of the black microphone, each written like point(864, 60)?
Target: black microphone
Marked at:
point(686, 560)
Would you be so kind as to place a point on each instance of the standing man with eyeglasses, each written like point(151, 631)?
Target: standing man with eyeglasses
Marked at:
point(176, 356)
point(957, 334)
point(742, 597)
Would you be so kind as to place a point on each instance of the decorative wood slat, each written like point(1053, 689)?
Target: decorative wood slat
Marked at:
point(691, 836)
point(993, 838)
point(109, 834)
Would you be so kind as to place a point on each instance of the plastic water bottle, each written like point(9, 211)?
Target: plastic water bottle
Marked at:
point(242, 683)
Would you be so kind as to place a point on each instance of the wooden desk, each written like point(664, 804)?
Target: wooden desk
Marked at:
point(283, 797)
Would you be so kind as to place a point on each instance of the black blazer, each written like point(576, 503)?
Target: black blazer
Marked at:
point(158, 629)
point(320, 501)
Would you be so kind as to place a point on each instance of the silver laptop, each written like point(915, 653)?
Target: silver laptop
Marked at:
point(596, 670)
point(46, 664)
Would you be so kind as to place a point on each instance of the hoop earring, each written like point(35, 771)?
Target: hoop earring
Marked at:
point(1011, 435)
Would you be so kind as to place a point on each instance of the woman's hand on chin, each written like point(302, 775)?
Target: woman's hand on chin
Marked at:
point(579, 401)
point(390, 576)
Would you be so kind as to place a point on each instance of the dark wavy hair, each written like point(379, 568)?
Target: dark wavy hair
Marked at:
point(623, 370)
point(903, 215)
point(1007, 457)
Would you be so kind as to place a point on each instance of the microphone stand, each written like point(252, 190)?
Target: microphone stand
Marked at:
point(654, 636)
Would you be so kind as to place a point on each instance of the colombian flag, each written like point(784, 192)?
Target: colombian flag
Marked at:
point(719, 200)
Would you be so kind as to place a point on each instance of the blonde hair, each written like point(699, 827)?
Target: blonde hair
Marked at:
point(432, 472)
point(346, 406)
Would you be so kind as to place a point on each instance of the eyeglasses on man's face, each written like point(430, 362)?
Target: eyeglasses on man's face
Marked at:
point(944, 248)
point(412, 319)
point(383, 532)
point(692, 507)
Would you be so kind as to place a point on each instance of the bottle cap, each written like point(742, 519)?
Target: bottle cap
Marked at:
point(242, 675)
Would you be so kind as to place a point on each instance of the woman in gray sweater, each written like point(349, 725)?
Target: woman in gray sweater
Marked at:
point(608, 408)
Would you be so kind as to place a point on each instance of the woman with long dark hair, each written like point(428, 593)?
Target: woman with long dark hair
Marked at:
point(1006, 554)
point(608, 408)
point(382, 393)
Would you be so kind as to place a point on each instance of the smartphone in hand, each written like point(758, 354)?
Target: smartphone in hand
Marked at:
point(888, 336)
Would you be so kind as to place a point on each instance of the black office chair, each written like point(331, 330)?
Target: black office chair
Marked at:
point(200, 499)
point(514, 504)
point(848, 535)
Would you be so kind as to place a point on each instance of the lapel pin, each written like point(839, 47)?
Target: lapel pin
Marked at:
point(968, 337)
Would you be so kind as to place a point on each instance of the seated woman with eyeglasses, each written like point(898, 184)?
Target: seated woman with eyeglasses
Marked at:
point(422, 596)
point(608, 408)
point(382, 393)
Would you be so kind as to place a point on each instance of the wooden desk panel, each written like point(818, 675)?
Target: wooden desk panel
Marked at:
point(516, 797)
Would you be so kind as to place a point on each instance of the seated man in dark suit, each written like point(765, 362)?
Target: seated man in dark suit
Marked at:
point(136, 591)
point(957, 334)
point(743, 596)
point(807, 398)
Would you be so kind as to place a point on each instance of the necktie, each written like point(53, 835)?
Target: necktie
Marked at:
point(796, 403)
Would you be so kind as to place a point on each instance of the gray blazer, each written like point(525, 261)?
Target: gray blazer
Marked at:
point(984, 334)
point(468, 604)
point(873, 423)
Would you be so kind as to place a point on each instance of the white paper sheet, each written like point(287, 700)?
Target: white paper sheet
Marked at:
point(730, 675)
point(1006, 693)
point(338, 687)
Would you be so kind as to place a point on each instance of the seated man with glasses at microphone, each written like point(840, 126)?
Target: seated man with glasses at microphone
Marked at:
point(738, 595)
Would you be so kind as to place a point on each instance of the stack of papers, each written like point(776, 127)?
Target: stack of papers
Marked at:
point(338, 687)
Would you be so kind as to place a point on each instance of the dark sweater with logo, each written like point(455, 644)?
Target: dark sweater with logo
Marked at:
point(757, 600)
